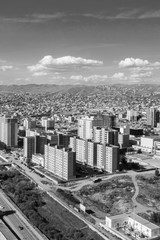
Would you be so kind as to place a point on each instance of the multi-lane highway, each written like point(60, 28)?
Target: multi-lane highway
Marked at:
point(17, 222)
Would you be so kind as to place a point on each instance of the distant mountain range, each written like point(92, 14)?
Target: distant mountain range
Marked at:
point(48, 88)
point(73, 89)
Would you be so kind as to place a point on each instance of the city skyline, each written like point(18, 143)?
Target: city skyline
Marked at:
point(73, 42)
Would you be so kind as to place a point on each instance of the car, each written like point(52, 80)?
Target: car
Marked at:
point(20, 227)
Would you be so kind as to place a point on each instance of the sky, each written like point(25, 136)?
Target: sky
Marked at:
point(92, 42)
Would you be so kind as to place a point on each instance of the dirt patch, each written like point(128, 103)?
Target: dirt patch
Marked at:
point(113, 196)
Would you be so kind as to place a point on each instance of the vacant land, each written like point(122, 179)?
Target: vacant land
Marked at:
point(113, 196)
point(149, 194)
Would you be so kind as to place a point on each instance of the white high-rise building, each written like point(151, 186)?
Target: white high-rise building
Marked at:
point(8, 131)
point(105, 136)
point(60, 161)
point(107, 157)
point(132, 115)
point(112, 158)
point(97, 134)
point(81, 150)
point(73, 143)
point(85, 126)
point(101, 152)
point(48, 123)
point(29, 123)
point(92, 154)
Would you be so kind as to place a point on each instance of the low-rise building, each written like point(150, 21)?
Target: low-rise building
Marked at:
point(38, 159)
point(135, 224)
point(143, 226)
point(117, 220)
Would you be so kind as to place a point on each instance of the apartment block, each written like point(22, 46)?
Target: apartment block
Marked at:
point(52, 138)
point(73, 143)
point(101, 153)
point(38, 159)
point(153, 117)
point(29, 147)
point(123, 140)
point(8, 131)
point(111, 163)
point(47, 123)
point(82, 150)
point(29, 123)
point(60, 161)
point(92, 154)
point(105, 136)
point(107, 157)
point(85, 126)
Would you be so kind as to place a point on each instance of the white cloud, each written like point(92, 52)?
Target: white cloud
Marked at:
point(67, 63)
point(27, 79)
point(150, 14)
point(123, 15)
point(37, 67)
point(138, 69)
point(138, 64)
point(92, 78)
point(77, 78)
point(141, 75)
point(68, 60)
point(5, 68)
point(59, 78)
point(131, 14)
point(39, 74)
point(36, 18)
point(119, 76)
point(133, 62)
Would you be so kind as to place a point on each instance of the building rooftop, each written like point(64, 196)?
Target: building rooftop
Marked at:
point(143, 221)
point(154, 137)
point(118, 216)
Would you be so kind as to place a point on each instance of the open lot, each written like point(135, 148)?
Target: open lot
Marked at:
point(145, 159)
point(112, 196)
point(155, 162)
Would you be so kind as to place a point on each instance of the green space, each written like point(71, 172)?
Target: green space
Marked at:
point(112, 196)
point(149, 194)
point(46, 214)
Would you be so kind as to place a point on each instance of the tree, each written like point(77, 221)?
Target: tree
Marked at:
point(156, 172)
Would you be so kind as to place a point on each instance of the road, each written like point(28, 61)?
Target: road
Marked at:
point(17, 220)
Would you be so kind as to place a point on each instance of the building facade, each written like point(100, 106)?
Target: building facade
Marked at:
point(85, 126)
point(8, 131)
point(81, 150)
point(60, 161)
point(29, 147)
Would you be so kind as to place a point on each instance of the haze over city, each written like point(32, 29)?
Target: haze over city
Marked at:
point(79, 42)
